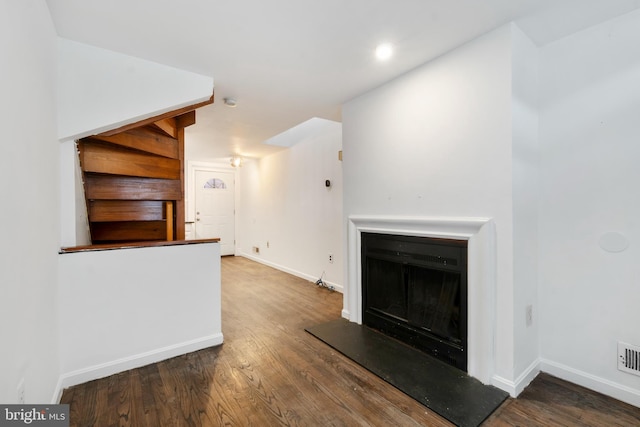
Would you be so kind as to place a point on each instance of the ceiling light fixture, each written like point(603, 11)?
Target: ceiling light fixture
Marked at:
point(236, 161)
point(230, 102)
point(384, 51)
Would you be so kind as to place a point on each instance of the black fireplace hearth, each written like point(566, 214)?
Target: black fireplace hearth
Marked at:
point(415, 289)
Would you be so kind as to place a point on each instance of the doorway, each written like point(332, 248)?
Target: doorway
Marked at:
point(215, 208)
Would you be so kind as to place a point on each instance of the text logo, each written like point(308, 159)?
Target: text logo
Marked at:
point(34, 415)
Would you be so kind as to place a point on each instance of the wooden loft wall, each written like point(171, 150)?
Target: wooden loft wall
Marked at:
point(134, 180)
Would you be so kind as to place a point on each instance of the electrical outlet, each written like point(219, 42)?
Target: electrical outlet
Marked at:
point(529, 315)
point(331, 258)
point(256, 250)
point(21, 392)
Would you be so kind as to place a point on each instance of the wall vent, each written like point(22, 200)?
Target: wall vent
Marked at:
point(629, 358)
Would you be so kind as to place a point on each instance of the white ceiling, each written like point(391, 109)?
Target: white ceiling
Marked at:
point(286, 61)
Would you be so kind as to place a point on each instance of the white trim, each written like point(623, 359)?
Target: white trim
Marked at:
point(336, 287)
point(57, 392)
point(514, 388)
point(601, 385)
point(481, 274)
point(135, 361)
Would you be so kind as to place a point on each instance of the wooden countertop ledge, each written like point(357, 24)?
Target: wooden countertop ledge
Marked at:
point(132, 245)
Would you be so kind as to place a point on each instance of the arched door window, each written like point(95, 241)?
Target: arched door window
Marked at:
point(215, 183)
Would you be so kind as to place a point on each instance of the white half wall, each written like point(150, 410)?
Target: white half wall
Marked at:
point(285, 209)
point(30, 211)
point(125, 308)
point(589, 129)
point(101, 90)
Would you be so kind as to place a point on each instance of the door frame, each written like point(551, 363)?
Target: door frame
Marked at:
point(190, 193)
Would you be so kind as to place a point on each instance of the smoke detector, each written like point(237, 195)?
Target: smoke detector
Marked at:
point(230, 102)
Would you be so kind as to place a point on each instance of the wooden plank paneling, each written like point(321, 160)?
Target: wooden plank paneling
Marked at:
point(111, 187)
point(128, 231)
point(139, 162)
point(126, 210)
point(144, 140)
point(105, 158)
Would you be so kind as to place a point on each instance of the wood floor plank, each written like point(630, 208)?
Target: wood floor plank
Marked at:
point(155, 398)
point(270, 372)
point(220, 392)
point(122, 400)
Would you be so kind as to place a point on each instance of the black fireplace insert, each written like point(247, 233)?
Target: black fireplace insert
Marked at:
point(415, 289)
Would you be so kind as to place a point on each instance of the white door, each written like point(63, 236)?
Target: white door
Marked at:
point(215, 216)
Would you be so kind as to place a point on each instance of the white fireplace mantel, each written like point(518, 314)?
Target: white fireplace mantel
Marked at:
point(481, 275)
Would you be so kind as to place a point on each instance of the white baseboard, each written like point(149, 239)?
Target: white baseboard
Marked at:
point(514, 388)
point(504, 385)
point(102, 370)
point(527, 376)
point(617, 391)
point(296, 273)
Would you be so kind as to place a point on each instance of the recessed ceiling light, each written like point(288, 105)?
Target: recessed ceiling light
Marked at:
point(384, 51)
point(230, 102)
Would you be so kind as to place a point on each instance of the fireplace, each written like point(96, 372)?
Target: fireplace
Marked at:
point(415, 289)
point(480, 235)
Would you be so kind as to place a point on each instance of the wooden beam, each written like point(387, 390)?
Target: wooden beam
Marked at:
point(169, 221)
point(159, 117)
point(187, 119)
point(167, 126)
point(130, 245)
point(180, 214)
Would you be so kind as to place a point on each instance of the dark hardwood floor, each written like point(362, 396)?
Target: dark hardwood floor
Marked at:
point(271, 372)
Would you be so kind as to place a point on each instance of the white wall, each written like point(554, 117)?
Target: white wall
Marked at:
point(525, 205)
point(590, 129)
point(121, 309)
point(437, 142)
point(102, 90)
point(30, 207)
point(282, 199)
